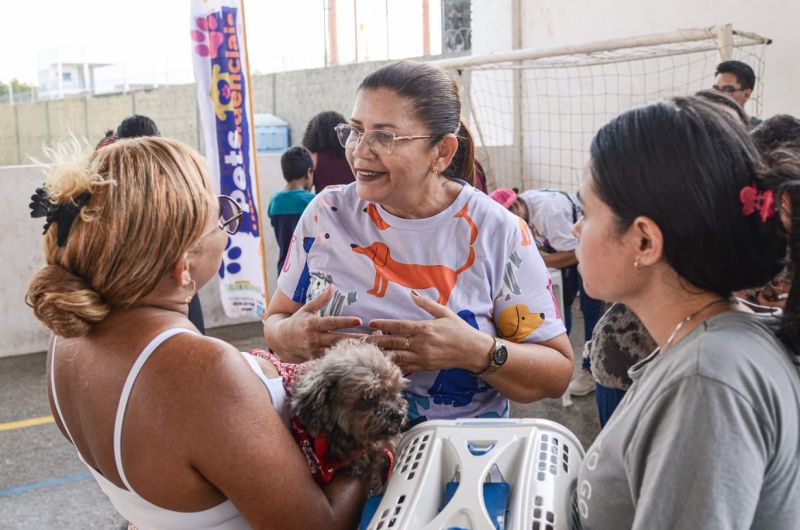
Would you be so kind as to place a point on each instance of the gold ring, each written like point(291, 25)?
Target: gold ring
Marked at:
point(405, 344)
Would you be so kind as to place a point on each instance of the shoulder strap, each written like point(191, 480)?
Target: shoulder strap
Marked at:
point(53, 389)
point(126, 393)
point(574, 206)
point(275, 388)
point(569, 198)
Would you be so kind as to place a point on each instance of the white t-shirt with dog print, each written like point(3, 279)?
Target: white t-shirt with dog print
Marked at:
point(475, 257)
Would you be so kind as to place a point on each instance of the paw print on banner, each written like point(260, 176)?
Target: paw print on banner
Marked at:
point(220, 92)
point(207, 27)
point(232, 254)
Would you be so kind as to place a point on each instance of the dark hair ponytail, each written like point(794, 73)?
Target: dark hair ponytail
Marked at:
point(435, 102)
point(463, 164)
point(683, 163)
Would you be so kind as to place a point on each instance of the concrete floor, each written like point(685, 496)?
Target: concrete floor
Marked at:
point(43, 484)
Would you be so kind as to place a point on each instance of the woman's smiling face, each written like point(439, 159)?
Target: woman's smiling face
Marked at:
point(389, 179)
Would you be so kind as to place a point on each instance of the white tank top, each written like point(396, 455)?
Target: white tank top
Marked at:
point(146, 515)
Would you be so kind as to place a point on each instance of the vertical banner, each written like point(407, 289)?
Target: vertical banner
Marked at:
point(222, 75)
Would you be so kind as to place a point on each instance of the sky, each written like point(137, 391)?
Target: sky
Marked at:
point(152, 36)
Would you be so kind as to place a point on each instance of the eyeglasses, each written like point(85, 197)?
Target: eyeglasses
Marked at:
point(230, 216)
point(379, 142)
point(727, 89)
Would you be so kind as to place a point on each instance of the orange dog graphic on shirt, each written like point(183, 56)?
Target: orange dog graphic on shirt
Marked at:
point(414, 276)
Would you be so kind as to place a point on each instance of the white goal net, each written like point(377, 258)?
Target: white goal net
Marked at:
point(533, 112)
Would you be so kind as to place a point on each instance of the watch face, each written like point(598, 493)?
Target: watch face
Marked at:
point(500, 354)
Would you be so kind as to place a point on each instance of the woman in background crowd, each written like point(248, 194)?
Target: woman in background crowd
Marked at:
point(330, 164)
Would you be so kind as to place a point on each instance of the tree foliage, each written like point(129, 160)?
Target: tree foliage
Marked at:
point(18, 87)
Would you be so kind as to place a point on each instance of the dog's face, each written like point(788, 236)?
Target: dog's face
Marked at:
point(352, 396)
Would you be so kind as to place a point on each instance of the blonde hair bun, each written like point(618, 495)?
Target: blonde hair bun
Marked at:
point(63, 302)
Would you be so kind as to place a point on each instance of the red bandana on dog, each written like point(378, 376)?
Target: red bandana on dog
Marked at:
point(316, 452)
point(314, 449)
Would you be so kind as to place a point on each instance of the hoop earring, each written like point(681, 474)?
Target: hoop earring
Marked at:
point(190, 293)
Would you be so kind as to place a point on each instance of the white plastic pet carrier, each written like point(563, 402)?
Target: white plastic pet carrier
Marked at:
point(504, 474)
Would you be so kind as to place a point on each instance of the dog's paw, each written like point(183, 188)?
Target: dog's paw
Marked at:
point(375, 465)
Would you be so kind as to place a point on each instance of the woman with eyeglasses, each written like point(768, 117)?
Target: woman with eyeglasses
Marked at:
point(179, 430)
point(433, 271)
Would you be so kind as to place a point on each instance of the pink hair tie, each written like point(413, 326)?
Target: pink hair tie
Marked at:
point(753, 201)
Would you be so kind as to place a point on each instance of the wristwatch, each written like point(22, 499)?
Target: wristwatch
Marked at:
point(498, 355)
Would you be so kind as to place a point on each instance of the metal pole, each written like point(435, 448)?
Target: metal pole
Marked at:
point(686, 35)
point(60, 73)
point(86, 83)
point(355, 25)
point(724, 37)
point(426, 28)
point(16, 130)
point(386, 15)
point(518, 125)
point(47, 120)
point(325, 32)
point(333, 35)
point(86, 117)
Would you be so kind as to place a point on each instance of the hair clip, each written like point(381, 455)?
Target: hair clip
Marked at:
point(753, 201)
point(63, 214)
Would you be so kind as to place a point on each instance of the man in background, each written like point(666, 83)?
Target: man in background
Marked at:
point(736, 80)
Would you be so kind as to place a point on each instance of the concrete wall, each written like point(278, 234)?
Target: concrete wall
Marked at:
point(174, 109)
point(32, 129)
point(104, 112)
point(299, 95)
point(8, 142)
point(294, 96)
point(21, 239)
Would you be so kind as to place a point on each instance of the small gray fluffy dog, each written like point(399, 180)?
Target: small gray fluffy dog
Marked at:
point(350, 399)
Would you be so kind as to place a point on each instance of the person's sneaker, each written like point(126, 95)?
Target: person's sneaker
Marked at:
point(582, 385)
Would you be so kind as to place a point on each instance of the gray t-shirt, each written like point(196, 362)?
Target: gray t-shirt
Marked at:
point(708, 436)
